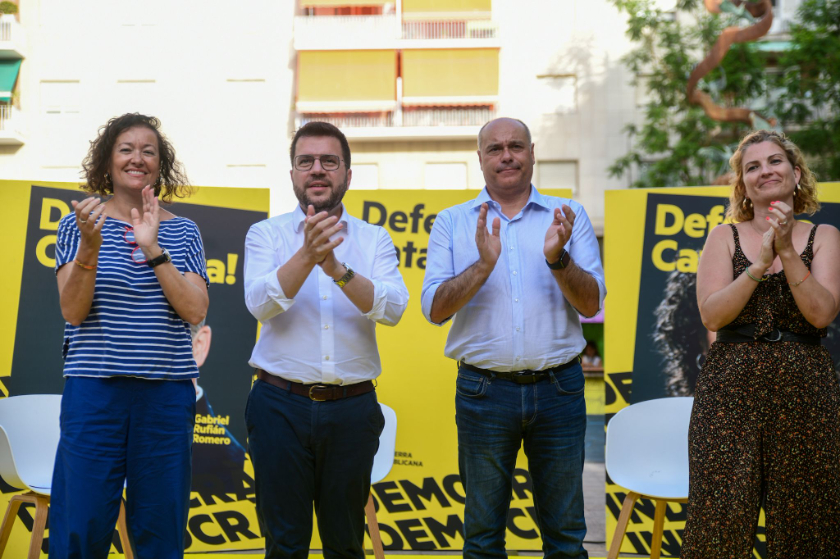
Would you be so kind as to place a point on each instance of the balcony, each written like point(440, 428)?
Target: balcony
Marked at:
point(10, 134)
point(387, 32)
point(12, 38)
point(414, 124)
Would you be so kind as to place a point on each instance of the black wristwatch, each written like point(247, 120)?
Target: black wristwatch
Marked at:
point(162, 259)
point(562, 262)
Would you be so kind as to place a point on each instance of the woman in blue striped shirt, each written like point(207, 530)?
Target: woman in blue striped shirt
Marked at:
point(131, 279)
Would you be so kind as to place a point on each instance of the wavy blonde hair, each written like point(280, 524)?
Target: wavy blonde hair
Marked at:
point(805, 197)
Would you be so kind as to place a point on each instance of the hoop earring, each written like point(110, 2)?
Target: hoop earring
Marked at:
point(107, 179)
point(745, 205)
point(796, 189)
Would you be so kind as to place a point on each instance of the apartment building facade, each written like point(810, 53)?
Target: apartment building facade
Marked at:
point(409, 81)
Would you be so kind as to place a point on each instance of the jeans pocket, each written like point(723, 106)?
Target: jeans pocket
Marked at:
point(570, 382)
point(471, 385)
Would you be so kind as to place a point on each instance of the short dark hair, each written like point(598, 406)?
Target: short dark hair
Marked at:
point(173, 179)
point(320, 129)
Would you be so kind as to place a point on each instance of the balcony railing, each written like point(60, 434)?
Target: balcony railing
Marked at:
point(383, 31)
point(472, 116)
point(356, 120)
point(11, 37)
point(9, 126)
point(410, 118)
point(475, 29)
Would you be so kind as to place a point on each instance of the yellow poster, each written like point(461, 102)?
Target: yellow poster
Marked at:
point(655, 341)
point(420, 504)
point(221, 509)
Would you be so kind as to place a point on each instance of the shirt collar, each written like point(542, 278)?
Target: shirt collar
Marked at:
point(298, 217)
point(533, 198)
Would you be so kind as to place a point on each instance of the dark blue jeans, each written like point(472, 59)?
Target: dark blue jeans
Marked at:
point(307, 453)
point(494, 418)
point(116, 431)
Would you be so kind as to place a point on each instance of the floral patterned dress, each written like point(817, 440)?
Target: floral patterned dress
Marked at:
point(765, 429)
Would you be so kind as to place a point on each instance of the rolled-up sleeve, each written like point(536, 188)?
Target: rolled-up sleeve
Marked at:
point(264, 296)
point(390, 295)
point(440, 266)
point(585, 251)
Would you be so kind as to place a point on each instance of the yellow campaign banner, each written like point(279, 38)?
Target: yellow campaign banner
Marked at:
point(654, 339)
point(221, 507)
point(419, 504)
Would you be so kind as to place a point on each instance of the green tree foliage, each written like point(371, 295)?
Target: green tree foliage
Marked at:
point(8, 8)
point(677, 144)
point(809, 107)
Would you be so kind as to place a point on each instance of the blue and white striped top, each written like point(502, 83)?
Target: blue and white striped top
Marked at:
point(132, 329)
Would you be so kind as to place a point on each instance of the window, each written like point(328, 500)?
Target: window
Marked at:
point(60, 98)
point(62, 138)
point(556, 93)
point(557, 174)
point(445, 176)
point(365, 176)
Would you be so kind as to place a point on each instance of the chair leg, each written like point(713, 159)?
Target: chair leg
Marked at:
point(9, 521)
point(623, 520)
point(122, 529)
point(373, 527)
point(658, 524)
point(42, 507)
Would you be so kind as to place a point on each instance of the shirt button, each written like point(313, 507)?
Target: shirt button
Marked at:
point(326, 358)
point(517, 328)
point(325, 297)
point(514, 272)
point(516, 300)
point(511, 248)
point(326, 326)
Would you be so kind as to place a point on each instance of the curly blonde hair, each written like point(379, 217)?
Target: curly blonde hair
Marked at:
point(805, 197)
point(173, 180)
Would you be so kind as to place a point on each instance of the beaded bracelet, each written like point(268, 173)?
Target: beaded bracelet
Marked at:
point(800, 281)
point(85, 266)
point(753, 278)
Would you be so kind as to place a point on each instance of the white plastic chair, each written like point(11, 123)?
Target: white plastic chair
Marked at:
point(382, 464)
point(29, 433)
point(647, 453)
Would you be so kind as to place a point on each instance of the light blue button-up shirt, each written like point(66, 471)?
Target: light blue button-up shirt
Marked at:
point(519, 319)
point(319, 336)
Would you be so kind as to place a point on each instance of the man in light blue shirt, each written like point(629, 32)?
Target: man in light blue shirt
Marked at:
point(513, 269)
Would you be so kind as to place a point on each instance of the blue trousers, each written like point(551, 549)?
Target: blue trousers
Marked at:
point(116, 431)
point(494, 418)
point(309, 453)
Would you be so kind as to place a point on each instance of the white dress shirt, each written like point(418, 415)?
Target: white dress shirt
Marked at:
point(519, 319)
point(320, 336)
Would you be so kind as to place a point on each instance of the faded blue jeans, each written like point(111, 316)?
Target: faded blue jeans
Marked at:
point(494, 417)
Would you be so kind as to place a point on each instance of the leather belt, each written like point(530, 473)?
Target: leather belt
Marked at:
point(317, 392)
point(746, 333)
point(525, 376)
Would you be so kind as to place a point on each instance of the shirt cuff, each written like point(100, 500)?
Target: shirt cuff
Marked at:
point(426, 302)
point(275, 291)
point(380, 300)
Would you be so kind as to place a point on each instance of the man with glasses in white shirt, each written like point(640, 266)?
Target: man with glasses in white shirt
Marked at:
point(318, 280)
point(513, 268)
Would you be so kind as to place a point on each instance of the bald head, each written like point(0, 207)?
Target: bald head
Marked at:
point(493, 122)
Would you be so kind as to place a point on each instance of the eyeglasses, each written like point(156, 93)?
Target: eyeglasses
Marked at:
point(136, 257)
point(328, 162)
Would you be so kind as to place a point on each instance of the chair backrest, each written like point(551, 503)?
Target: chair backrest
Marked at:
point(384, 459)
point(647, 447)
point(29, 433)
